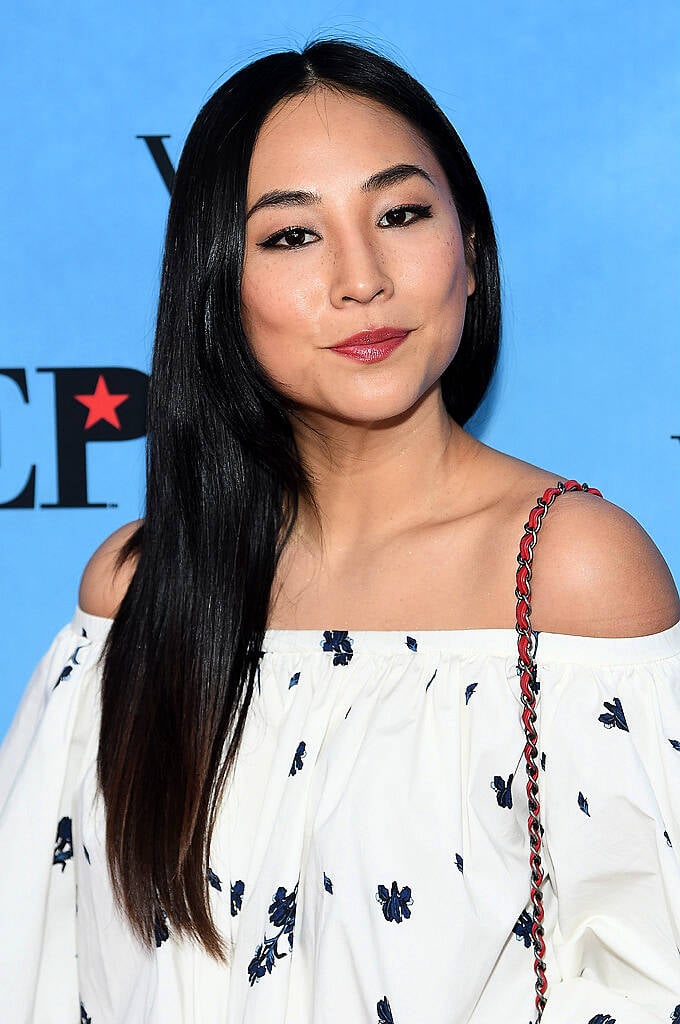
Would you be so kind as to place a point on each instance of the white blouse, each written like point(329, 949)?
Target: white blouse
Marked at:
point(370, 861)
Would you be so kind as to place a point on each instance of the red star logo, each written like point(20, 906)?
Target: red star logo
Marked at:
point(101, 405)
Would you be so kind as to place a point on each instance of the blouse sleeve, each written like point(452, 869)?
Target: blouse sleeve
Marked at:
point(41, 761)
point(610, 795)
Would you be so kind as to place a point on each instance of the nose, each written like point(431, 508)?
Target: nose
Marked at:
point(359, 274)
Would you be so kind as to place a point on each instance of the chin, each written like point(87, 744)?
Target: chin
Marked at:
point(371, 410)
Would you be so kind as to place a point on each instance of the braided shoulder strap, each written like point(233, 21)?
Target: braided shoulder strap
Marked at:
point(529, 684)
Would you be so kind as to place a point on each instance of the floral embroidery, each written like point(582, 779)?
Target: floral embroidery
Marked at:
point(411, 643)
point(214, 880)
point(668, 838)
point(65, 673)
point(294, 680)
point(614, 718)
point(469, 690)
point(282, 916)
point(459, 863)
point(237, 891)
point(602, 1018)
point(503, 792)
point(340, 642)
point(63, 849)
point(327, 884)
point(87, 855)
point(522, 928)
point(84, 1019)
point(395, 904)
point(431, 680)
point(543, 760)
point(160, 929)
point(384, 1011)
point(675, 1015)
point(73, 660)
point(583, 803)
point(675, 744)
point(297, 760)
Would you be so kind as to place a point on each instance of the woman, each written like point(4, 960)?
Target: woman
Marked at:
point(298, 795)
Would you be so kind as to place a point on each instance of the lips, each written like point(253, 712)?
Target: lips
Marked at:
point(372, 346)
point(375, 336)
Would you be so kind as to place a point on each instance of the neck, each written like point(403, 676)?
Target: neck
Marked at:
point(372, 481)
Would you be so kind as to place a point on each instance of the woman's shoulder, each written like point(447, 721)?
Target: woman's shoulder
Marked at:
point(106, 578)
point(596, 571)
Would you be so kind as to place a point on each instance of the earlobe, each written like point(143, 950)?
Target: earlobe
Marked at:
point(471, 280)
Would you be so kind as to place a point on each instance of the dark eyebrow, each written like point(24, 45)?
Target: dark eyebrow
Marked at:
point(284, 198)
point(394, 176)
point(380, 180)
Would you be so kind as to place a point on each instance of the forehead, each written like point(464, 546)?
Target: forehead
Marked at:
point(335, 136)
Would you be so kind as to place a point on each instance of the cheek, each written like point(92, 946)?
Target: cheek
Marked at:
point(276, 308)
point(439, 275)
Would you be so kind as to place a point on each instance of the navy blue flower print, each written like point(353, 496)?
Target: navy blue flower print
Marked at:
point(675, 744)
point(68, 667)
point(282, 916)
point(522, 928)
point(459, 863)
point(340, 642)
point(614, 717)
point(263, 961)
point(63, 847)
point(583, 803)
point(503, 791)
point(160, 929)
point(667, 837)
point(65, 673)
point(348, 711)
point(411, 643)
point(675, 1015)
point(469, 690)
point(395, 903)
point(431, 681)
point(84, 1019)
point(602, 1018)
point(294, 680)
point(297, 760)
point(237, 891)
point(543, 760)
point(282, 911)
point(327, 883)
point(214, 880)
point(384, 1011)
point(87, 855)
point(74, 656)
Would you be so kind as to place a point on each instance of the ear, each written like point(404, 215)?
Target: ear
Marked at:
point(471, 262)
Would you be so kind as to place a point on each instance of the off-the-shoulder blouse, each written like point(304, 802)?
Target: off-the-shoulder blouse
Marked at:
point(370, 861)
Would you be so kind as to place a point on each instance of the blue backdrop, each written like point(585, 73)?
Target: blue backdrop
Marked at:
point(570, 114)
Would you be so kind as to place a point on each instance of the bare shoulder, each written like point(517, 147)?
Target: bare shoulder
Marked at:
point(596, 572)
point(104, 582)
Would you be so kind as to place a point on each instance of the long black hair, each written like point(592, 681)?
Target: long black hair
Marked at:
point(224, 479)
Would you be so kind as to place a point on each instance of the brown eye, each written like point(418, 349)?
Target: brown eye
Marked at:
point(397, 218)
point(402, 216)
point(289, 238)
point(293, 237)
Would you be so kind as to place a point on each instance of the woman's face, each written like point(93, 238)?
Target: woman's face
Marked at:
point(351, 228)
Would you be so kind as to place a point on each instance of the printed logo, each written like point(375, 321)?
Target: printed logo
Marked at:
point(93, 404)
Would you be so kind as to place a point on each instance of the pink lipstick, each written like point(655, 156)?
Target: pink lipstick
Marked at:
point(372, 346)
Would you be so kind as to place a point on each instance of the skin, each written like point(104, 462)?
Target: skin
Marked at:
point(420, 521)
